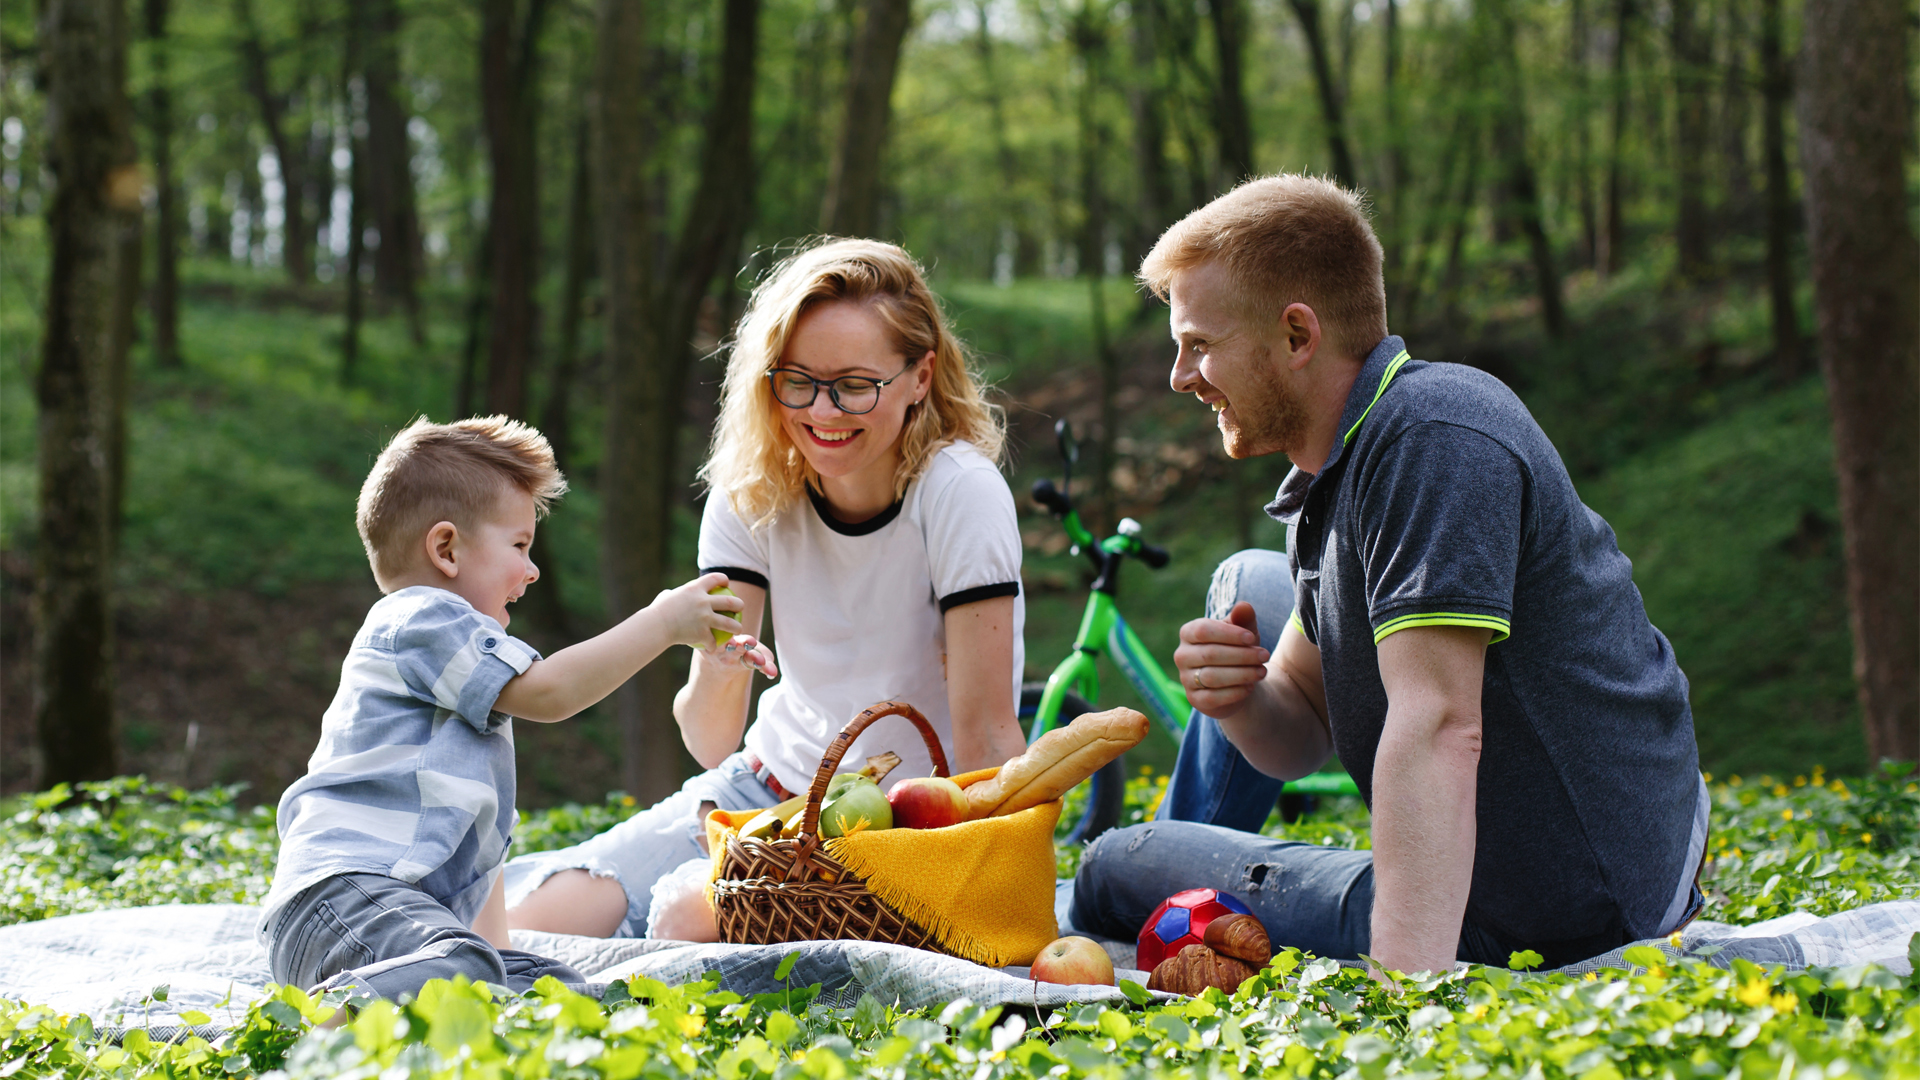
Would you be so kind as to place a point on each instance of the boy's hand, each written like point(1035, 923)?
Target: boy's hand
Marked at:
point(689, 614)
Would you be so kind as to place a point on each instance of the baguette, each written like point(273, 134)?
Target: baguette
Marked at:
point(1056, 762)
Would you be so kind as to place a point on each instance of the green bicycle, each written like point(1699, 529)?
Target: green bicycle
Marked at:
point(1075, 684)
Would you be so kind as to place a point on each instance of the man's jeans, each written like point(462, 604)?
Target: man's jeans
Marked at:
point(375, 934)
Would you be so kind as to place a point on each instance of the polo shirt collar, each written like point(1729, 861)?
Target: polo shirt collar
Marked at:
point(1376, 373)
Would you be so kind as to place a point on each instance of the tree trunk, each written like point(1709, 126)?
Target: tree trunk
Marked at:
point(97, 188)
point(1855, 131)
point(1089, 40)
point(852, 206)
point(1736, 87)
point(356, 258)
point(556, 414)
point(1395, 234)
point(1777, 84)
point(1522, 189)
point(1613, 238)
point(297, 252)
point(1025, 247)
point(1577, 53)
point(1232, 119)
point(650, 321)
point(1146, 99)
point(509, 62)
point(1308, 12)
point(1692, 54)
point(389, 175)
point(165, 298)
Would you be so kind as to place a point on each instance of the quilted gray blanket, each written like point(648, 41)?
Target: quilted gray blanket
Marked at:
point(106, 964)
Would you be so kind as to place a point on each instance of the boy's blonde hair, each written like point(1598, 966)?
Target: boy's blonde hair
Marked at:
point(1286, 239)
point(752, 461)
point(454, 472)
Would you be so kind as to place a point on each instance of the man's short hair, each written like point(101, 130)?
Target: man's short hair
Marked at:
point(1286, 239)
point(454, 472)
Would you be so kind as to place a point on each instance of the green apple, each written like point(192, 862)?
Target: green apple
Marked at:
point(859, 807)
point(721, 637)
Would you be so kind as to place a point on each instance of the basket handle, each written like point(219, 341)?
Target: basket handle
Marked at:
point(830, 761)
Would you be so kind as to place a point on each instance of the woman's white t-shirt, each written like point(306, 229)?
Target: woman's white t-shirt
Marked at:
point(858, 610)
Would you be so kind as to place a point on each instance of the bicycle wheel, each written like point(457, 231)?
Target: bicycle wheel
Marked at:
point(1107, 788)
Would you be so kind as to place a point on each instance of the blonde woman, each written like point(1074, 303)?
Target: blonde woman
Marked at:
point(853, 481)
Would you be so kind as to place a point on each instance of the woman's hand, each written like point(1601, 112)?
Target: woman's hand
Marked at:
point(712, 708)
point(740, 651)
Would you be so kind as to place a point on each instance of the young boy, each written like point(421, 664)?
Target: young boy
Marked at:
point(391, 845)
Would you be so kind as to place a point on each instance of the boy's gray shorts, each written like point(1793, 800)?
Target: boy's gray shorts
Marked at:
point(375, 934)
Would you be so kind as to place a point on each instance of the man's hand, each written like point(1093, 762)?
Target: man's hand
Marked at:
point(1220, 662)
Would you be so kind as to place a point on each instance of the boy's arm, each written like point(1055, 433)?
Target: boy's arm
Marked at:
point(580, 675)
point(491, 923)
point(711, 708)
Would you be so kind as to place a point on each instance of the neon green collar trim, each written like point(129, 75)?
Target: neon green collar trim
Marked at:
point(1393, 368)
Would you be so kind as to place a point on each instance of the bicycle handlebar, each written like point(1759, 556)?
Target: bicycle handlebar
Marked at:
point(1154, 555)
point(1050, 497)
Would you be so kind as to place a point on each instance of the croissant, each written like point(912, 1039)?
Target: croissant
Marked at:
point(1240, 937)
point(1196, 968)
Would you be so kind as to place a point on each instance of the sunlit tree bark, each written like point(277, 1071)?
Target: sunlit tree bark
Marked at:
point(297, 236)
point(1855, 132)
point(97, 188)
point(1331, 107)
point(852, 205)
point(652, 305)
point(509, 70)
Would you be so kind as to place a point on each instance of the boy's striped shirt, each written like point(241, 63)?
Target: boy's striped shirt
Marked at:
point(414, 775)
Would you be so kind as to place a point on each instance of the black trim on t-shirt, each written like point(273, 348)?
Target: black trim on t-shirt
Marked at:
point(738, 573)
point(872, 525)
point(977, 594)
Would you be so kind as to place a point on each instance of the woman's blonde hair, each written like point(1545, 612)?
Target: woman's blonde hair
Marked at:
point(753, 462)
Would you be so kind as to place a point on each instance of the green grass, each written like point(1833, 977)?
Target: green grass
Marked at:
point(1812, 844)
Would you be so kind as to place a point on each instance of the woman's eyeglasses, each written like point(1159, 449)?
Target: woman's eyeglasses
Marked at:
point(854, 394)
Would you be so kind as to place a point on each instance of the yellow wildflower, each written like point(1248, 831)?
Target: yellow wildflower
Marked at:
point(1734, 779)
point(1480, 1010)
point(1779, 791)
point(1592, 977)
point(1754, 993)
point(1866, 838)
point(1785, 1002)
point(1799, 781)
point(626, 800)
point(1786, 815)
point(1707, 776)
point(1673, 939)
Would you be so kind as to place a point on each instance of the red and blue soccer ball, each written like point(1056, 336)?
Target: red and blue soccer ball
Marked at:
point(1181, 920)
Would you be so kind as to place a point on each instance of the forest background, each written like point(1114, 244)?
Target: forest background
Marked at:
point(290, 226)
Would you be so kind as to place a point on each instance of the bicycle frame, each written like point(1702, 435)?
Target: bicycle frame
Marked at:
point(1104, 631)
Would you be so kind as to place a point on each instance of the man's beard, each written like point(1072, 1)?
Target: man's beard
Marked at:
point(1267, 417)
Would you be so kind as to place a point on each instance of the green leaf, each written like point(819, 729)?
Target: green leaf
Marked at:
point(196, 1017)
point(781, 1028)
point(1525, 960)
point(1135, 993)
point(1646, 956)
point(786, 967)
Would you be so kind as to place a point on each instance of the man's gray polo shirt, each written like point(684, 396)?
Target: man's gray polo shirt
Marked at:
point(1443, 503)
point(414, 775)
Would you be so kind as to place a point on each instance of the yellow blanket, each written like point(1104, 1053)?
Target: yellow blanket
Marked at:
point(984, 888)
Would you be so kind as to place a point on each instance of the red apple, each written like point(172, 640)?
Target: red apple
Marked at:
point(1074, 961)
point(927, 802)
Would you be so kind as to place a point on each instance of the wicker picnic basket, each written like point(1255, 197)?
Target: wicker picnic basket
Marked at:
point(781, 890)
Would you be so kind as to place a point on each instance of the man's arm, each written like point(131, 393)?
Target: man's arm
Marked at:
point(986, 725)
point(1425, 779)
point(1272, 708)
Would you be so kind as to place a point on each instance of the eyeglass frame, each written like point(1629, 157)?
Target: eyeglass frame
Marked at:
point(833, 389)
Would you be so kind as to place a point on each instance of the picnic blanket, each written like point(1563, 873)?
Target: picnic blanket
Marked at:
point(107, 963)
